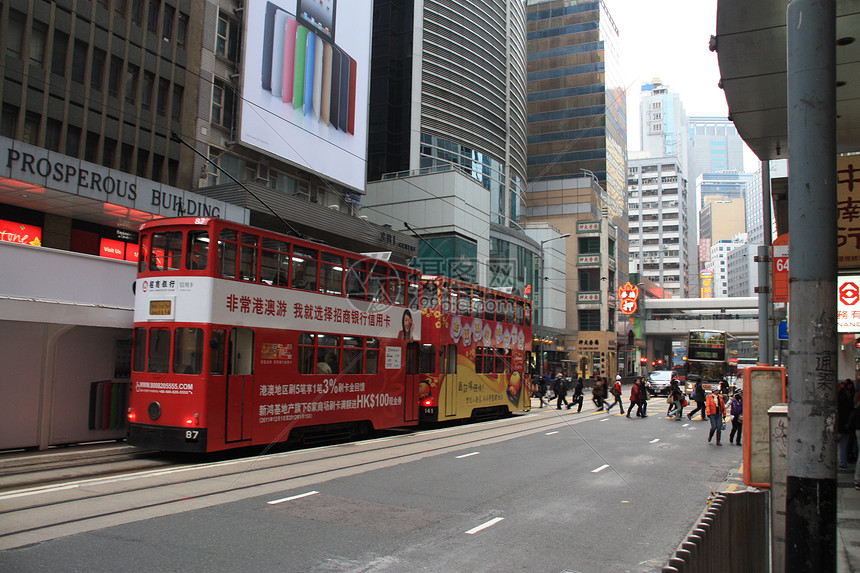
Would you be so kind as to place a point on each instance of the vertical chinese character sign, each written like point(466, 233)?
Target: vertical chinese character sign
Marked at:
point(629, 295)
point(848, 212)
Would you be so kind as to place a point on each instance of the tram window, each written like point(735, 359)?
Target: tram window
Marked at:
point(241, 353)
point(527, 319)
point(490, 307)
point(328, 354)
point(356, 279)
point(304, 269)
point(306, 353)
point(479, 361)
point(248, 258)
point(159, 350)
point(430, 296)
point(188, 351)
point(519, 313)
point(412, 291)
point(377, 286)
point(507, 361)
point(509, 312)
point(412, 358)
point(352, 353)
point(139, 352)
point(371, 358)
point(396, 294)
point(488, 360)
point(197, 252)
point(500, 309)
point(464, 302)
point(217, 351)
point(499, 366)
point(227, 253)
point(274, 268)
point(477, 304)
point(331, 274)
point(144, 252)
point(454, 299)
point(166, 251)
point(427, 364)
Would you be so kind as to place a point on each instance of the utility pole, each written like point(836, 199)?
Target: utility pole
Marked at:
point(810, 507)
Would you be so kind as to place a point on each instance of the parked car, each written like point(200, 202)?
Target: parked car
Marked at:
point(661, 381)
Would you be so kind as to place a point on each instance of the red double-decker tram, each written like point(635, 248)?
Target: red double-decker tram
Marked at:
point(247, 337)
point(483, 338)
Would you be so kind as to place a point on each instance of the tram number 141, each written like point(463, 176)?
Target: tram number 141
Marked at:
point(191, 435)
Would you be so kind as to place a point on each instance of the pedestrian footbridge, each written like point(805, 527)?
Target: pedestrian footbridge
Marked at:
point(675, 317)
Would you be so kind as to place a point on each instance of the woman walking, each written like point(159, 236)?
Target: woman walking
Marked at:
point(736, 411)
point(716, 410)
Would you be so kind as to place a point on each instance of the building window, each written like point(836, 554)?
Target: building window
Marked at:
point(92, 146)
point(73, 141)
point(142, 160)
point(108, 152)
point(152, 16)
point(97, 72)
point(38, 37)
point(79, 61)
point(146, 90)
point(131, 74)
point(114, 76)
point(163, 88)
point(31, 127)
point(222, 104)
point(121, 7)
point(157, 166)
point(176, 105)
point(58, 55)
point(53, 131)
point(167, 22)
point(15, 33)
point(182, 30)
point(136, 11)
point(226, 37)
point(9, 120)
point(125, 157)
point(589, 320)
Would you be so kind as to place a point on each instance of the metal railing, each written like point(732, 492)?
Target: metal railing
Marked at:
point(732, 535)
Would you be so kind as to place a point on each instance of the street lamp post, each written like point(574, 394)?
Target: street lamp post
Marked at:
point(543, 298)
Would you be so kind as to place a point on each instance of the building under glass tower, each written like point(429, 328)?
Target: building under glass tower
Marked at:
point(577, 150)
point(447, 135)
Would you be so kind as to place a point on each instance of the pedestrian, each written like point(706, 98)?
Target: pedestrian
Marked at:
point(724, 388)
point(616, 393)
point(844, 407)
point(550, 384)
point(715, 407)
point(698, 396)
point(635, 398)
point(597, 393)
point(678, 398)
point(542, 390)
point(577, 395)
point(645, 395)
point(560, 389)
point(736, 411)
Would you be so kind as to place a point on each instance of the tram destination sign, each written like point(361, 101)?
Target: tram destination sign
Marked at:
point(65, 174)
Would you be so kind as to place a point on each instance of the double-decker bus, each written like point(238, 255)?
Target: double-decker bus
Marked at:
point(245, 337)
point(483, 338)
point(709, 354)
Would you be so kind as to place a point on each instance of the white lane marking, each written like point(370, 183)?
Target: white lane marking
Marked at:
point(603, 419)
point(551, 433)
point(467, 455)
point(600, 469)
point(485, 525)
point(292, 497)
point(654, 441)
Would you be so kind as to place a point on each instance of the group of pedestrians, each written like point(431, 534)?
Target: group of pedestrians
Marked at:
point(713, 405)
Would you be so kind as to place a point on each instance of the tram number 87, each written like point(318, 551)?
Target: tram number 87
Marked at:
point(191, 435)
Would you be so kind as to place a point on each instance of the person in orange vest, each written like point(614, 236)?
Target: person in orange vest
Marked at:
point(715, 408)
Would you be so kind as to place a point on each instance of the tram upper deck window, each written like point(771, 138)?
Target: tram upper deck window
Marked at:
point(227, 253)
point(165, 251)
point(520, 313)
point(490, 306)
point(430, 296)
point(197, 251)
point(356, 279)
point(248, 257)
point(331, 273)
point(412, 291)
point(304, 268)
point(275, 262)
point(378, 283)
point(396, 292)
point(527, 318)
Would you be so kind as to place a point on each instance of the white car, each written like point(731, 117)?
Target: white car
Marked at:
point(661, 381)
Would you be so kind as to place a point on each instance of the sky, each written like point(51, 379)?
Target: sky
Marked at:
point(668, 39)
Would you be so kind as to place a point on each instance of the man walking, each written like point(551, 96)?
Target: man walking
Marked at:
point(560, 389)
point(577, 395)
point(616, 393)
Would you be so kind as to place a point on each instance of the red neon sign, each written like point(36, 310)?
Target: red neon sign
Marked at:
point(629, 296)
point(22, 234)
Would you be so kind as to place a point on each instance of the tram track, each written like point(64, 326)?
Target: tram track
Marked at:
point(38, 513)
